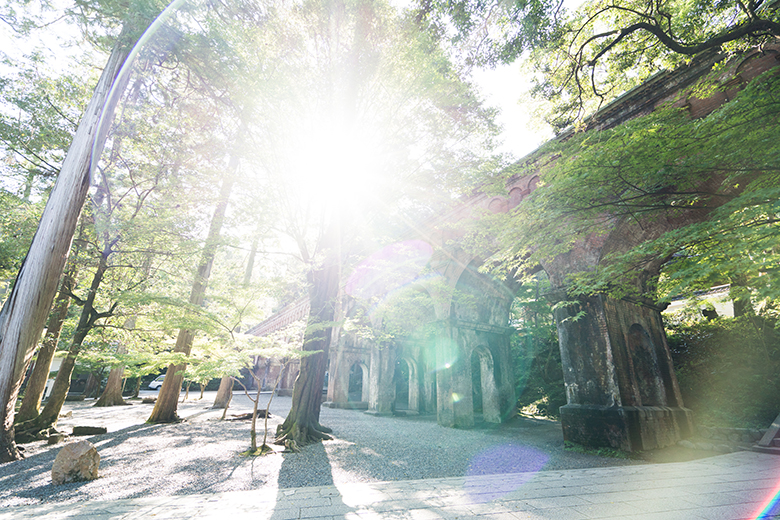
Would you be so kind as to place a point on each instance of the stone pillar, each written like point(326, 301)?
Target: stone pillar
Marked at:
point(365, 387)
point(506, 369)
point(490, 397)
point(429, 383)
point(621, 389)
point(414, 386)
point(453, 380)
point(338, 376)
point(381, 394)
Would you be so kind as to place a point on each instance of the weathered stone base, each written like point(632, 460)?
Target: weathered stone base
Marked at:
point(628, 428)
point(349, 405)
point(379, 414)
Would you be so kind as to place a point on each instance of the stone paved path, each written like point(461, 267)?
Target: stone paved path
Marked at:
point(735, 486)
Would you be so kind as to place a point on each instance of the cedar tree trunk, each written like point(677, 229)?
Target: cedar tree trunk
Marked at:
point(50, 413)
point(112, 394)
point(302, 424)
point(168, 398)
point(224, 393)
point(24, 312)
point(31, 403)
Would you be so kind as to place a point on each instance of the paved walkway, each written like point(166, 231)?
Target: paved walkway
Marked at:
point(736, 486)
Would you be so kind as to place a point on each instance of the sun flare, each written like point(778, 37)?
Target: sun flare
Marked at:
point(334, 163)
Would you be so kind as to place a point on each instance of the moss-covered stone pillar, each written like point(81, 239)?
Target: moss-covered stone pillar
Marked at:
point(621, 388)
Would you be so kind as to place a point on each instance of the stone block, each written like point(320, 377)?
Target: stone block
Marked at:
point(89, 430)
point(627, 428)
point(76, 462)
point(56, 438)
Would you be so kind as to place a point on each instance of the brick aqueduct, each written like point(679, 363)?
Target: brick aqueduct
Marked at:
point(620, 384)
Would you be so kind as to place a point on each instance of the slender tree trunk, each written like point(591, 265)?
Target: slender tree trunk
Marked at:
point(168, 398)
point(227, 404)
point(31, 404)
point(24, 312)
point(48, 417)
point(253, 429)
point(302, 423)
point(250, 263)
point(137, 388)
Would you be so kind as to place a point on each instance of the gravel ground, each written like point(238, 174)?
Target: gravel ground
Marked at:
point(202, 454)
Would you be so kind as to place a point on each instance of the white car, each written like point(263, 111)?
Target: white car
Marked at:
point(156, 383)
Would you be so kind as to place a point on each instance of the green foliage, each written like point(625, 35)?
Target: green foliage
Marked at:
point(38, 117)
point(18, 221)
point(728, 368)
point(539, 372)
point(655, 171)
point(584, 58)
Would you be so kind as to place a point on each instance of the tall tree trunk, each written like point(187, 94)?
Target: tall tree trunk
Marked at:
point(92, 387)
point(137, 387)
point(112, 395)
point(224, 392)
point(168, 398)
point(31, 403)
point(250, 263)
point(24, 312)
point(50, 413)
point(302, 424)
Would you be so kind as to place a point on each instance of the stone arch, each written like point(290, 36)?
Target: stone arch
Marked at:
point(516, 196)
point(407, 385)
point(488, 387)
point(358, 383)
point(479, 298)
point(643, 356)
point(497, 205)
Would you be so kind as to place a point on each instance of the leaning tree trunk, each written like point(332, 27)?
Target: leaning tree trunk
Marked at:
point(31, 403)
point(302, 424)
point(168, 398)
point(25, 311)
point(48, 417)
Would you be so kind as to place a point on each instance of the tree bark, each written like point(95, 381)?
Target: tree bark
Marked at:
point(168, 398)
point(24, 312)
point(112, 395)
point(50, 413)
point(224, 393)
point(31, 403)
point(302, 424)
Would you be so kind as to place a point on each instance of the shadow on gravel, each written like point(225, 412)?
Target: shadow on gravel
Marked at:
point(145, 460)
point(308, 468)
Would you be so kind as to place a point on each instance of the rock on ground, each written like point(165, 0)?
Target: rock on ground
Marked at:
point(76, 462)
